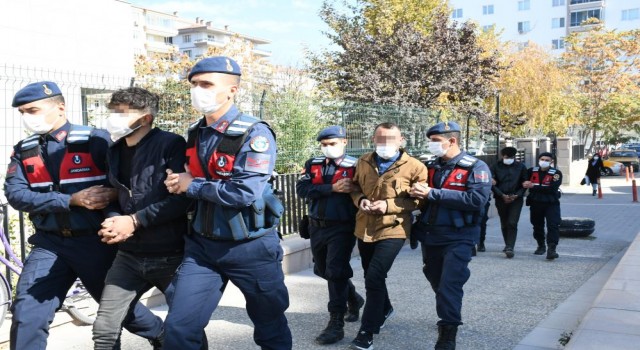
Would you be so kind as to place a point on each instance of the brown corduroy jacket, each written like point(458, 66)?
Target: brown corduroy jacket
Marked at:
point(392, 186)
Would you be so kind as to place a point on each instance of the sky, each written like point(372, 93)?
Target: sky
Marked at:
point(290, 25)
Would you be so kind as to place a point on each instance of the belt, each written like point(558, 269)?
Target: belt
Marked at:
point(72, 233)
point(327, 223)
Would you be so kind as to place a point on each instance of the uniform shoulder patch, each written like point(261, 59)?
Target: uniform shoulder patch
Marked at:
point(481, 176)
point(258, 162)
point(12, 169)
point(556, 177)
point(259, 144)
point(317, 160)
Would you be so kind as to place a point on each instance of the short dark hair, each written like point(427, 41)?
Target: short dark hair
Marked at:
point(452, 134)
point(386, 125)
point(509, 152)
point(136, 98)
point(56, 99)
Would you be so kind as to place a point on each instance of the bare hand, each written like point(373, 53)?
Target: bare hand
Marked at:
point(117, 229)
point(506, 199)
point(493, 182)
point(94, 197)
point(343, 186)
point(527, 184)
point(365, 204)
point(419, 190)
point(178, 183)
point(378, 207)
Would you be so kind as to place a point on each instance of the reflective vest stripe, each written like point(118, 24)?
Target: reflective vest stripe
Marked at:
point(41, 184)
point(83, 179)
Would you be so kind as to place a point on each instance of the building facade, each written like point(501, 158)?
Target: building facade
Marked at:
point(545, 22)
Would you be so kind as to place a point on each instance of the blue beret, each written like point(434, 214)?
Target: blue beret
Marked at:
point(34, 92)
point(443, 128)
point(332, 132)
point(545, 154)
point(218, 64)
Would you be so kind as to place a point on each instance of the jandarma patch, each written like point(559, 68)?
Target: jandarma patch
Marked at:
point(482, 176)
point(257, 162)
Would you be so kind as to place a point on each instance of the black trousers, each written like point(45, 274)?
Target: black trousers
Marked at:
point(509, 217)
point(483, 222)
point(549, 212)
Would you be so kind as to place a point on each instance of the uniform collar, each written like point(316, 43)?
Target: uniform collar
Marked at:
point(452, 161)
point(336, 161)
point(222, 124)
point(60, 134)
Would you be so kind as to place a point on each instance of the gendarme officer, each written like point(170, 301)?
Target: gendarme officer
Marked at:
point(230, 157)
point(544, 203)
point(326, 184)
point(57, 176)
point(458, 188)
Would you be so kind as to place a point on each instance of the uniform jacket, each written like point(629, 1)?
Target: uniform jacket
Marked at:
point(454, 214)
point(162, 216)
point(323, 203)
point(547, 188)
point(392, 186)
point(49, 208)
point(509, 179)
point(238, 197)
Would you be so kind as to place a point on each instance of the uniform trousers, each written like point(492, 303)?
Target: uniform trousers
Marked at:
point(549, 212)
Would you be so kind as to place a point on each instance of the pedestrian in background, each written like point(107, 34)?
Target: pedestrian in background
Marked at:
point(594, 172)
point(326, 184)
point(508, 175)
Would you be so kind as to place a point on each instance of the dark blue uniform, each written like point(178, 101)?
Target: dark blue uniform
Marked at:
point(449, 227)
point(232, 241)
point(331, 224)
point(544, 202)
point(66, 244)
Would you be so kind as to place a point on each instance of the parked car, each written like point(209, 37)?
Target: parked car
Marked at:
point(611, 168)
point(628, 157)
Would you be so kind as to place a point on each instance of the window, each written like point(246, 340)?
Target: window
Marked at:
point(557, 44)
point(524, 5)
point(210, 37)
point(457, 13)
point(558, 3)
point(168, 40)
point(581, 16)
point(187, 52)
point(557, 22)
point(487, 27)
point(630, 15)
point(524, 27)
point(487, 9)
point(186, 38)
point(523, 45)
point(573, 2)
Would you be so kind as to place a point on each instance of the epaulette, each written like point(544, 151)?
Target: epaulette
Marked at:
point(467, 161)
point(30, 142)
point(535, 168)
point(551, 171)
point(318, 160)
point(430, 163)
point(240, 125)
point(348, 162)
point(79, 134)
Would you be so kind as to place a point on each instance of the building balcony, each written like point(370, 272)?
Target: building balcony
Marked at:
point(160, 31)
point(159, 47)
point(208, 42)
point(262, 53)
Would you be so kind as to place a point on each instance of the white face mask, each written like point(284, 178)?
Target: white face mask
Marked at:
point(118, 124)
point(544, 164)
point(36, 123)
point(332, 152)
point(596, 157)
point(204, 100)
point(508, 161)
point(437, 149)
point(386, 151)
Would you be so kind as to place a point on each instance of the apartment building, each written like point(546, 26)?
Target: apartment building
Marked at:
point(545, 22)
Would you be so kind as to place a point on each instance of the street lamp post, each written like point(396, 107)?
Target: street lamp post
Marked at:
point(498, 125)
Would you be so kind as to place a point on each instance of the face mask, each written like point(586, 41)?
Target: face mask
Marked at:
point(332, 152)
point(544, 164)
point(508, 161)
point(118, 125)
point(204, 100)
point(437, 149)
point(36, 123)
point(386, 152)
point(596, 157)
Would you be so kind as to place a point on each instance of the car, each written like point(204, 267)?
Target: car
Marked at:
point(628, 157)
point(611, 168)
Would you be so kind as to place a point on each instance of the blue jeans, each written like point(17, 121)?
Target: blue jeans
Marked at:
point(130, 276)
point(254, 266)
point(49, 271)
point(377, 259)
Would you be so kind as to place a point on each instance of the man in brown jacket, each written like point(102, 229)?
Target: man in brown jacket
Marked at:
point(383, 221)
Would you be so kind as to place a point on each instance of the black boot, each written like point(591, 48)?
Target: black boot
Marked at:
point(551, 253)
point(481, 247)
point(334, 331)
point(594, 192)
point(446, 337)
point(354, 304)
point(542, 248)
